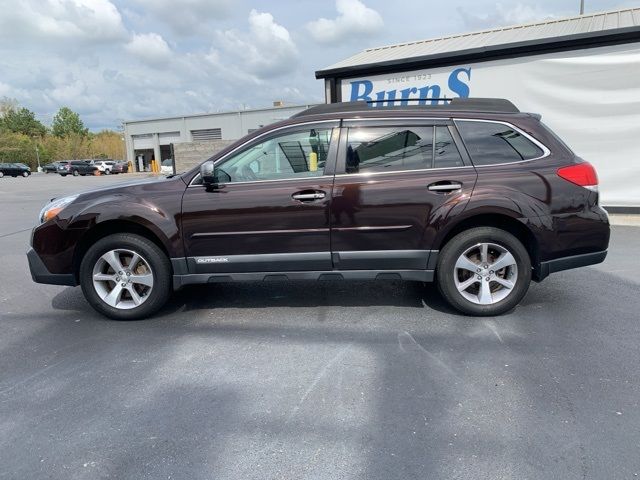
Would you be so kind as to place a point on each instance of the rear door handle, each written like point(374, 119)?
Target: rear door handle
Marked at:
point(308, 196)
point(444, 187)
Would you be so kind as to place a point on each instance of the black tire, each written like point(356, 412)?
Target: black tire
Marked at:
point(454, 249)
point(75, 173)
point(1, 174)
point(63, 174)
point(25, 174)
point(154, 256)
point(107, 171)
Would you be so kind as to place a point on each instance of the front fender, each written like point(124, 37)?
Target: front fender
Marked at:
point(161, 220)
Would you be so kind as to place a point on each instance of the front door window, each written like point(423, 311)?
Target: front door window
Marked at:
point(296, 155)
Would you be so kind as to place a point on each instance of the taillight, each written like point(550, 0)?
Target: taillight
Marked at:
point(582, 174)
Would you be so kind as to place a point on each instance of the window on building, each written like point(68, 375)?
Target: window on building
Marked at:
point(207, 134)
point(380, 149)
point(491, 143)
point(294, 155)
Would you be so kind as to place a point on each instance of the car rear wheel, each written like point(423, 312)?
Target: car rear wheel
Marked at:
point(1, 174)
point(484, 271)
point(125, 277)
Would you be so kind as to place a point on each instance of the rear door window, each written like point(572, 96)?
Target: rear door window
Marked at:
point(446, 154)
point(388, 149)
point(492, 143)
point(398, 148)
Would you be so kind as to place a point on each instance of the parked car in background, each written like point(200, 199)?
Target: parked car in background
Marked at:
point(120, 167)
point(104, 166)
point(53, 166)
point(474, 195)
point(14, 169)
point(78, 167)
point(166, 168)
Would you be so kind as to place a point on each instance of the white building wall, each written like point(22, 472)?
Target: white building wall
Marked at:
point(234, 125)
point(589, 97)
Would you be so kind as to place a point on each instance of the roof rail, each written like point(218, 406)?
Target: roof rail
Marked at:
point(486, 105)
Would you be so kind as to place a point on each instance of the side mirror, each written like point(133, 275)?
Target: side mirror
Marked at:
point(206, 173)
point(213, 177)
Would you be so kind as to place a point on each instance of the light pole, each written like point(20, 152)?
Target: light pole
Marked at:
point(38, 158)
point(581, 7)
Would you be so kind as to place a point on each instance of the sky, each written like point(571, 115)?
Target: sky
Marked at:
point(116, 60)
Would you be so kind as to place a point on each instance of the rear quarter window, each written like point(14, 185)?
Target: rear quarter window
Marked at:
point(490, 143)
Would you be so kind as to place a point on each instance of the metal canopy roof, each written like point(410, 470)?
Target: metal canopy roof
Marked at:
point(617, 26)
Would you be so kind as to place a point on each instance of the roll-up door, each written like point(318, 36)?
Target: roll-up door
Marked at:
point(168, 138)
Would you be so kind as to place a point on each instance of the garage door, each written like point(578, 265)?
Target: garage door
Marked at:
point(169, 137)
point(142, 142)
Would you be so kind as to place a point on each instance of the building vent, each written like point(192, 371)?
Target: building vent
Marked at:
point(207, 134)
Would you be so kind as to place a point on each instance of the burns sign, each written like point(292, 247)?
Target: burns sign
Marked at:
point(424, 86)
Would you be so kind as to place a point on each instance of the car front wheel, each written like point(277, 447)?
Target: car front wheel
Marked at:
point(484, 271)
point(76, 173)
point(25, 174)
point(125, 277)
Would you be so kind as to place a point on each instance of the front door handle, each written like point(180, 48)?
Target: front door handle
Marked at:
point(309, 196)
point(445, 187)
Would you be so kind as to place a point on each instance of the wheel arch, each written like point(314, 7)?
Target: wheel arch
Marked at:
point(108, 227)
point(499, 220)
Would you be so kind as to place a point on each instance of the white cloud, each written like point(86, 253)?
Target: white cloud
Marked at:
point(354, 19)
point(83, 20)
point(266, 50)
point(4, 89)
point(502, 16)
point(187, 16)
point(149, 47)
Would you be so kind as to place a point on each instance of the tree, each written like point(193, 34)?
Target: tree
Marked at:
point(22, 120)
point(17, 147)
point(106, 144)
point(67, 122)
point(7, 104)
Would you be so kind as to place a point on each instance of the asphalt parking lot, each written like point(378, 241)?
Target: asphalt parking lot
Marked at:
point(376, 380)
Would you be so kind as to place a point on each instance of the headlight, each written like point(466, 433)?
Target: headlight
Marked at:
point(54, 207)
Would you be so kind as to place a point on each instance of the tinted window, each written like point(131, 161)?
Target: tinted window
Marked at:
point(446, 152)
point(296, 155)
point(379, 149)
point(490, 143)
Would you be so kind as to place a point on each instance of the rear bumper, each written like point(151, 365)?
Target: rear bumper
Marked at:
point(40, 274)
point(567, 263)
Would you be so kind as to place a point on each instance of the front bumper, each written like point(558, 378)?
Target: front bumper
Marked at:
point(40, 274)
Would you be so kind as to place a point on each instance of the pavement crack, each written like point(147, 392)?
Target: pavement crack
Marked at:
point(14, 233)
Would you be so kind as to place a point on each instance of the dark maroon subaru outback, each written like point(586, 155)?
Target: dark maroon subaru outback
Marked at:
point(473, 195)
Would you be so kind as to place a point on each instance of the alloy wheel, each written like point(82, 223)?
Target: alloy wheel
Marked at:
point(485, 273)
point(123, 279)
